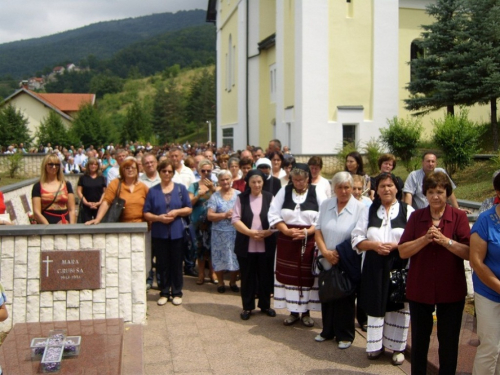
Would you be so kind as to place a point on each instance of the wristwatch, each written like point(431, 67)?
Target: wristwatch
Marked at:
point(450, 242)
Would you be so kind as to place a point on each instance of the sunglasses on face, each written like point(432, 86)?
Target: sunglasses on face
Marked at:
point(206, 170)
point(54, 165)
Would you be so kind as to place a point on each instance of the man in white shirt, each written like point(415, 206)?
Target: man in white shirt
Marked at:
point(114, 172)
point(412, 189)
point(183, 175)
point(80, 157)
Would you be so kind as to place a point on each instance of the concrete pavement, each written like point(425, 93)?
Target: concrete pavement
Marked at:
point(205, 335)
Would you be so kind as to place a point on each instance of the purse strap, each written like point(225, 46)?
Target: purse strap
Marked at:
point(55, 197)
point(117, 195)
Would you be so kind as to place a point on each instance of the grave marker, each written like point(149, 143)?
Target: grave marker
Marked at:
point(70, 270)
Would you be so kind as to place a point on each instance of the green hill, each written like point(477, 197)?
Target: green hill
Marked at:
point(102, 40)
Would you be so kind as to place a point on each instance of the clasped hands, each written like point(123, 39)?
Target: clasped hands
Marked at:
point(434, 235)
point(295, 233)
point(259, 235)
point(168, 217)
point(385, 248)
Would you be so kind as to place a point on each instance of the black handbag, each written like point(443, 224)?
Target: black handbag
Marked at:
point(79, 218)
point(334, 283)
point(115, 209)
point(397, 285)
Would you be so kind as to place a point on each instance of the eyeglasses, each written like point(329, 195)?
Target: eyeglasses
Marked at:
point(130, 169)
point(149, 163)
point(54, 165)
point(167, 171)
point(206, 171)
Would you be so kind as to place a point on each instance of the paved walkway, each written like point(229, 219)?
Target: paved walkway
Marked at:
point(205, 335)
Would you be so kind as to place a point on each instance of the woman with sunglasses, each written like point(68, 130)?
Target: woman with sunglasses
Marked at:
point(52, 197)
point(166, 204)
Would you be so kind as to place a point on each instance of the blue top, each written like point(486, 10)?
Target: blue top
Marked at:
point(219, 205)
point(156, 203)
point(487, 227)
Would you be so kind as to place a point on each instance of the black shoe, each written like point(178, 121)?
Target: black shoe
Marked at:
point(191, 272)
point(269, 312)
point(234, 288)
point(221, 289)
point(245, 314)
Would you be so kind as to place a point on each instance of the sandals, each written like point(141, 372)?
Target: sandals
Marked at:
point(291, 319)
point(307, 321)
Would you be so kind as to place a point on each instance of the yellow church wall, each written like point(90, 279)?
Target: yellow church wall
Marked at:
point(267, 18)
point(267, 109)
point(410, 21)
point(350, 56)
point(229, 98)
point(289, 53)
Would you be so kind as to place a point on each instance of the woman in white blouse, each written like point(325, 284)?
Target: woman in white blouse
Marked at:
point(337, 218)
point(294, 213)
point(377, 234)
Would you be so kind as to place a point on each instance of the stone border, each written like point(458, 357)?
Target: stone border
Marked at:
point(73, 229)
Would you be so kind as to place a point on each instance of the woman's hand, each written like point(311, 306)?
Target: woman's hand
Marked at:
point(438, 237)
point(257, 235)
point(332, 256)
point(92, 222)
point(229, 214)
point(203, 190)
point(208, 184)
point(383, 248)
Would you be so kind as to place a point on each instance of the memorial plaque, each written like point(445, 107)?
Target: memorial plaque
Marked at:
point(70, 270)
point(26, 204)
point(9, 208)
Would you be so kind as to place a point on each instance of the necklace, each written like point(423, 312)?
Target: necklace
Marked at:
point(299, 193)
point(437, 218)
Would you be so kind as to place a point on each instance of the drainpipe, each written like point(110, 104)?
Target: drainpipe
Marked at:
point(247, 80)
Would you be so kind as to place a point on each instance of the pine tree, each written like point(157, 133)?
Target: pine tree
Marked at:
point(137, 124)
point(13, 127)
point(52, 130)
point(90, 126)
point(168, 112)
point(437, 76)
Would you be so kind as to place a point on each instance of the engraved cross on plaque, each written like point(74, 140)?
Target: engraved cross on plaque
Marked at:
point(47, 261)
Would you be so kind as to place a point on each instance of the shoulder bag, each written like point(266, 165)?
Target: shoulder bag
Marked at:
point(334, 283)
point(115, 209)
point(397, 285)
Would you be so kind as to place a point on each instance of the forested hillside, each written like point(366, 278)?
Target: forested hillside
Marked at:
point(100, 41)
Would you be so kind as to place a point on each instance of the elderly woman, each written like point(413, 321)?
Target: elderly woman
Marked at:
point(255, 246)
point(52, 197)
point(354, 165)
point(220, 210)
point(90, 190)
point(315, 164)
point(294, 212)
point(166, 204)
point(337, 218)
point(245, 165)
point(128, 188)
point(199, 193)
point(386, 164)
point(234, 167)
point(377, 234)
point(276, 158)
point(484, 258)
point(436, 240)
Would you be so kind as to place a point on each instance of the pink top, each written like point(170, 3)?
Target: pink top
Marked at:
point(255, 205)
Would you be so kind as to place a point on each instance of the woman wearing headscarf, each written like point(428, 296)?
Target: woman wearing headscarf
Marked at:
point(294, 212)
point(255, 245)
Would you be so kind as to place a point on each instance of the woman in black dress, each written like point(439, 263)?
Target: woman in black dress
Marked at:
point(91, 188)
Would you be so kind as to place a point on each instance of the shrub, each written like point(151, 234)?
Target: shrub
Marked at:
point(13, 163)
point(373, 150)
point(402, 138)
point(458, 139)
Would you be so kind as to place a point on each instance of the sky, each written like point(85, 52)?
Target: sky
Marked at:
point(26, 19)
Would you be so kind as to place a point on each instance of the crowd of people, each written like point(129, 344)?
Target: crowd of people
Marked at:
point(262, 218)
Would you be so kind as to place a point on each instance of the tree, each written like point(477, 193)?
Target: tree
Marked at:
point(102, 84)
point(482, 59)
point(201, 100)
point(137, 123)
point(52, 130)
point(438, 74)
point(13, 126)
point(90, 126)
point(167, 112)
point(458, 138)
